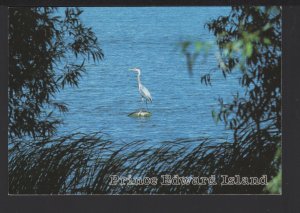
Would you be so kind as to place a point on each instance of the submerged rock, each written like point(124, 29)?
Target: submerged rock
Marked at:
point(140, 114)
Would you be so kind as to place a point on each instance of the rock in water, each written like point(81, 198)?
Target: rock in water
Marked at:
point(140, 114)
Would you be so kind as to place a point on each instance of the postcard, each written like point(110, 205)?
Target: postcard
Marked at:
point(145, 100)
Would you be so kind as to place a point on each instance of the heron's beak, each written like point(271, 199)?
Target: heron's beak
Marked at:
point(131, 69)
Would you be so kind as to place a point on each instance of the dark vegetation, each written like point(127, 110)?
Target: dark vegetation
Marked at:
point(41, 47)
point(42, 162)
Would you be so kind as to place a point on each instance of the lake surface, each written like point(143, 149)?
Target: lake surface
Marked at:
point(148, 37)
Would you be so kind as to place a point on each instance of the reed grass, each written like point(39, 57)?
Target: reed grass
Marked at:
point(81, 164)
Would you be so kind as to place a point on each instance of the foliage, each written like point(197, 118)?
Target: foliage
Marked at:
point(41, 47)
point(82, 164)
point(192, 51)
point(249, 41)
point(252, 44)
point(274, 186)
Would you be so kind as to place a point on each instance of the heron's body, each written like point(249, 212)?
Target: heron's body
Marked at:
point(144, 92)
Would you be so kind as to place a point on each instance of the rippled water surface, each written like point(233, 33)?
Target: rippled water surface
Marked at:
point(148, 38)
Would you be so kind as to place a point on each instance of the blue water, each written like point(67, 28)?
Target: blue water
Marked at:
point(148, 38)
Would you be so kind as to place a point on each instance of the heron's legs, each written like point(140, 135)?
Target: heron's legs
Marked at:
point(142, 104)
point(146, 105)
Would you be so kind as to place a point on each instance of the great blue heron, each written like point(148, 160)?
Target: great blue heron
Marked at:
point(142, 89)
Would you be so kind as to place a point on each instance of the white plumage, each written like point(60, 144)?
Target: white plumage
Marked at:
point(142, 89)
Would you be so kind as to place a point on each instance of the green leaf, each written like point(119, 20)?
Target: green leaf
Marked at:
point(198, 46)
point(185, 45)
point(267, 41)
point(236, 45)
point(249, 49)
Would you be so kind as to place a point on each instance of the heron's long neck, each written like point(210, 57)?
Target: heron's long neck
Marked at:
point(139, 78)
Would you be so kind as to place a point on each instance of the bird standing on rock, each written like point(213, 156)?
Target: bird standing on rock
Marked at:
point(144, 92)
